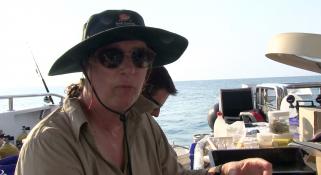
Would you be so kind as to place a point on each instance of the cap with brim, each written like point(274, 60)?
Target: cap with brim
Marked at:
point(119, 25)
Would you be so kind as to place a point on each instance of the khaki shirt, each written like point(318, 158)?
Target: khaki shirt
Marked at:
point(61, 144)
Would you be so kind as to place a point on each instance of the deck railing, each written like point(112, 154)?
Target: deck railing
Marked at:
point(12, 97)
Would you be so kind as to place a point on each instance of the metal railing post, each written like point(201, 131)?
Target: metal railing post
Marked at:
point(10, 103)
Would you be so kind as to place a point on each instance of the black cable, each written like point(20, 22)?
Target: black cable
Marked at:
point(123, 118)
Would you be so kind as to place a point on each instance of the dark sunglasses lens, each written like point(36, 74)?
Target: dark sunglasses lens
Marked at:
point(111, 58)
point(142, 58)
point(156, 102)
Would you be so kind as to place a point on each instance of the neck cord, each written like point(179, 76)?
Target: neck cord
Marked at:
point(122, 117)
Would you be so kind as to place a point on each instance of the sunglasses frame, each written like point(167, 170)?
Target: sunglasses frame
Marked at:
point(145, 60)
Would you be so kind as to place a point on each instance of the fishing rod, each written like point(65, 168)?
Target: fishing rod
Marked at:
point(42, 79)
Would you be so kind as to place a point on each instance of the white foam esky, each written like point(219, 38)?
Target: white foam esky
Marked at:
point(227, 39)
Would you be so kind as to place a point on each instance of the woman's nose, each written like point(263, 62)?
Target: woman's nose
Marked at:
point(155, 112)
point(127, 65)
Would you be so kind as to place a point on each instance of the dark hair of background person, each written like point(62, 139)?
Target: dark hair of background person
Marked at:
point(159, 78)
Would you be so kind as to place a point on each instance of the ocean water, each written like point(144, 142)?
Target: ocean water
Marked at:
point(182, 115)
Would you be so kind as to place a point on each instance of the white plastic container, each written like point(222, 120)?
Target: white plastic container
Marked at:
point(237, 131)
point(250, 142)
point(294, 123)
point(279, 122)
point(264, 139)
point(220, 127)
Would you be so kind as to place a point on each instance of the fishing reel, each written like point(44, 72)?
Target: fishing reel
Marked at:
point(46, 99)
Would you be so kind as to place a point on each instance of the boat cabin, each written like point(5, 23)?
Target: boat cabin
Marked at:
point(272, 96)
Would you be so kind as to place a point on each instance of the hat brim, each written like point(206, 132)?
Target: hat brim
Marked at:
point(167, 45)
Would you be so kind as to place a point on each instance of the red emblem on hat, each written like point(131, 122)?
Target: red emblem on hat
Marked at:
point(123, 17)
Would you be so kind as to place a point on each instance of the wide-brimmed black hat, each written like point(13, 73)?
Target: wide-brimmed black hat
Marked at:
point(119, 25)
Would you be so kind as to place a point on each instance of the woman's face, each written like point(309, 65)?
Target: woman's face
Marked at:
point(118, 85)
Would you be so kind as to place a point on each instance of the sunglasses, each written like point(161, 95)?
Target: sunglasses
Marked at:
point(154, 101)
point(113, 57)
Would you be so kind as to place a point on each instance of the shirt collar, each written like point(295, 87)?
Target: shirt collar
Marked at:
point(144, 105)
point(78, 118)
point(76, 115)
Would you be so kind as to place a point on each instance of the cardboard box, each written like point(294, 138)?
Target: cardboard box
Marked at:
point(310, 122)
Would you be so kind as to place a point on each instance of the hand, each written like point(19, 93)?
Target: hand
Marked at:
point(250, 166)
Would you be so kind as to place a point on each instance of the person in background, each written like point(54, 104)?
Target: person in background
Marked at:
point(103, 130)
point(158, 87)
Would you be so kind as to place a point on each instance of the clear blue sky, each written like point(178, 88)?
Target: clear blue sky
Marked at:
point(227, 38)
